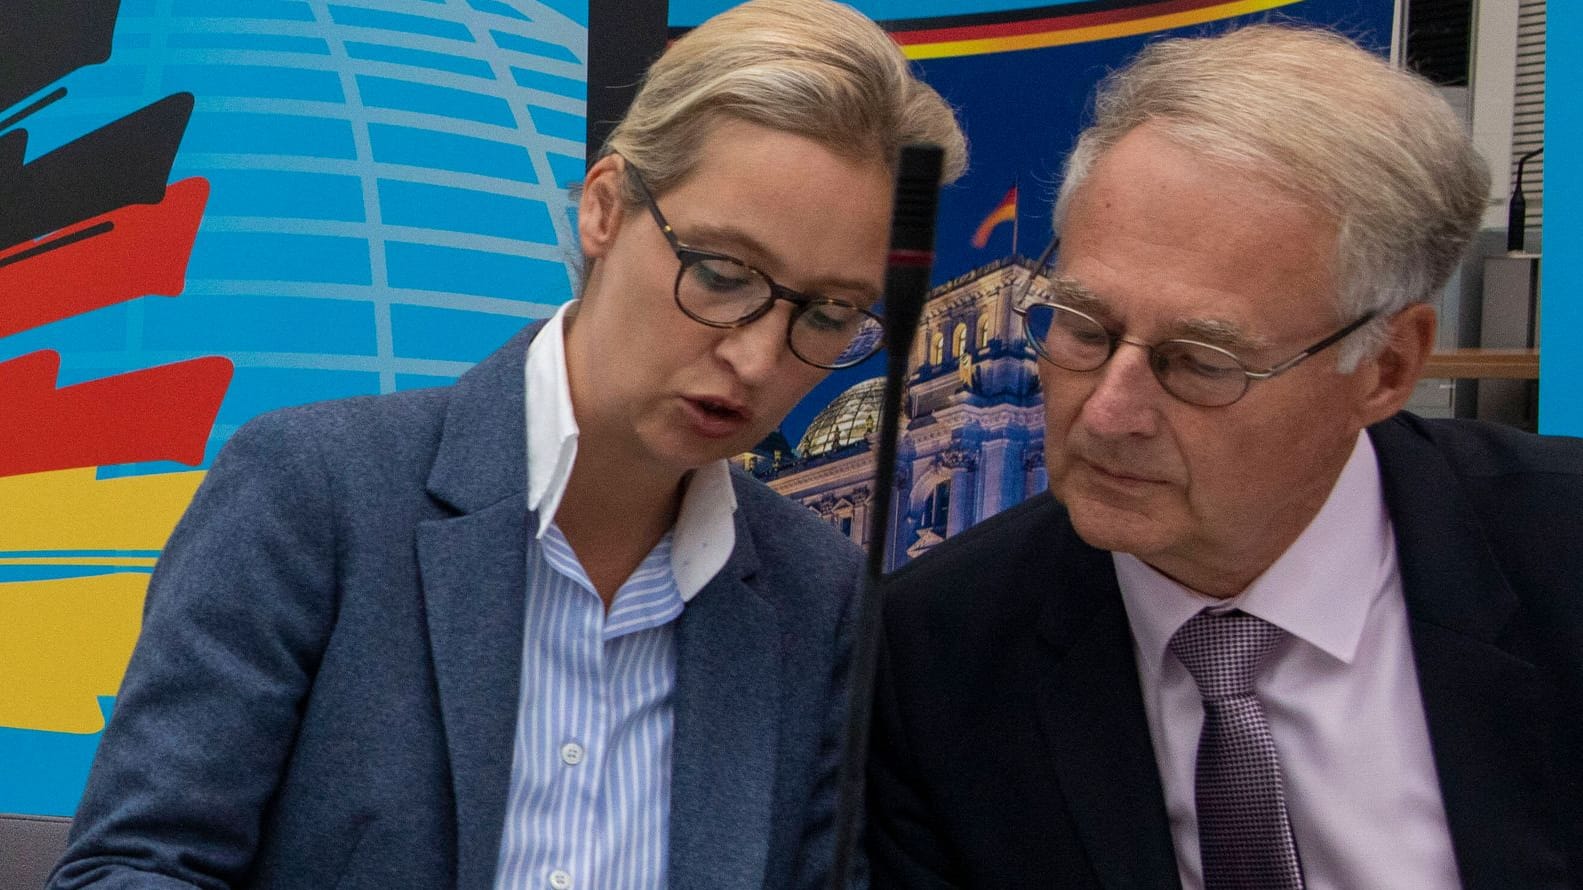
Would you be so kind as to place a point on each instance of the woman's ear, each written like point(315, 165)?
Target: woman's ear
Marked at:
point(600, 208)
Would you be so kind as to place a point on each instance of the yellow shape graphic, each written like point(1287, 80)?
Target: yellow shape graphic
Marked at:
point(71, 510)
point(66, 642)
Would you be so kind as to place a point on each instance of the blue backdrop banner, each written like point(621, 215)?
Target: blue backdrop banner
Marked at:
point(1561, 288)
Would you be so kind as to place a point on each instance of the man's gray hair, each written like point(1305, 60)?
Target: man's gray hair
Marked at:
point(1308, 111)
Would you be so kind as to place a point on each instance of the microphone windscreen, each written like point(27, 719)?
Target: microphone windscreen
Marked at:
point(913, 212)
point(917, 197)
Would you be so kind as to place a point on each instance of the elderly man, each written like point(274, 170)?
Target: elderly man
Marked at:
point(1266, 631)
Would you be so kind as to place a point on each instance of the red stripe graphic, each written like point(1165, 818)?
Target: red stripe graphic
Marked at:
point(144, 252)
point(161, 413)
point(1051, 23)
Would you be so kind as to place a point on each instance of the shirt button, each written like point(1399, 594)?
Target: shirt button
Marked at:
point(571, 754)
point(560, 880)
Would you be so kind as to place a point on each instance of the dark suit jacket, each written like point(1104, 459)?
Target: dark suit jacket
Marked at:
point(325, 691)
point(1010, 744)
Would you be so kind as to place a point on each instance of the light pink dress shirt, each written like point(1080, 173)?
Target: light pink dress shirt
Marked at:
point(1340, 692)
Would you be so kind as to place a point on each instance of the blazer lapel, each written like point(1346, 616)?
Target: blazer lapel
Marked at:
point(1091, 709)
point(473, 579)
point(473, 567)
point(727, 707)
point(1484, 706)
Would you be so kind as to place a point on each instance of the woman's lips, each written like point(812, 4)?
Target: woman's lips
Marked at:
point(715, 418)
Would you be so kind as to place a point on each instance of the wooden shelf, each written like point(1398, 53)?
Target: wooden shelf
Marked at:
point(1485, 364)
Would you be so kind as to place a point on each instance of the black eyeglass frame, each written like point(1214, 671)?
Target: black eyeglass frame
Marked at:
point(1249, 376)
point(688, 256)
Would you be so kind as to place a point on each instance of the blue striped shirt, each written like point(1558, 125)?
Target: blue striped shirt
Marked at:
point(589, 805)
point(589, 801)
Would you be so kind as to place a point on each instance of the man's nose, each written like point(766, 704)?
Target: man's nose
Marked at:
point(1126, 396)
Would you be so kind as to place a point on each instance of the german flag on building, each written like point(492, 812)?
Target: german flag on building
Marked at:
point(1005, 211)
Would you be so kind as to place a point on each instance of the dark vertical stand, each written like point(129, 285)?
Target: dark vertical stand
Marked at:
point(624, 38)
point(906, 287)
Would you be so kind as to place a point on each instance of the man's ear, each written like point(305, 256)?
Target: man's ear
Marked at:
point(1389, 378)
point(600, 208)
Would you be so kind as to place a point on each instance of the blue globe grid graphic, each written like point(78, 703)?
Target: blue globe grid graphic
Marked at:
point(388, 189)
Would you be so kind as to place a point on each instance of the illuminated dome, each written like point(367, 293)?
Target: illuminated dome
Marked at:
point(848, 419)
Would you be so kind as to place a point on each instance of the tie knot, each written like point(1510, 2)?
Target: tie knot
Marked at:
point(1222, 650)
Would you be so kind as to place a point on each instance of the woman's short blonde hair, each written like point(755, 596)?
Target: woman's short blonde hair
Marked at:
point(811, 67)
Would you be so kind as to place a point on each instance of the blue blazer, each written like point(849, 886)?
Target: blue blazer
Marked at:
point(324, 694)
point(1011, 747)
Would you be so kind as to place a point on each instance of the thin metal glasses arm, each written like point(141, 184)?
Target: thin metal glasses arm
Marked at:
point(1283, 367)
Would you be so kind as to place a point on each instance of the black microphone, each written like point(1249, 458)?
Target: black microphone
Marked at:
point(1517, 208)
point(906, 287)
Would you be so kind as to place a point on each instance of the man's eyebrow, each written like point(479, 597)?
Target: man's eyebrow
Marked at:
point(1071, 292)
point(1218, 332)
point(1213, 331)
point(745, 248)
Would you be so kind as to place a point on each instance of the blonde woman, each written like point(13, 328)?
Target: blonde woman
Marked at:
point(529, 630)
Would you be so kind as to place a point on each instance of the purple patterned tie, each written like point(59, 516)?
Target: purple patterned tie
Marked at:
point(1244, 837)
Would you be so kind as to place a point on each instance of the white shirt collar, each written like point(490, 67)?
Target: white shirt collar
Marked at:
point(705, 531)
point(552, 427)
point(1319, 590)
